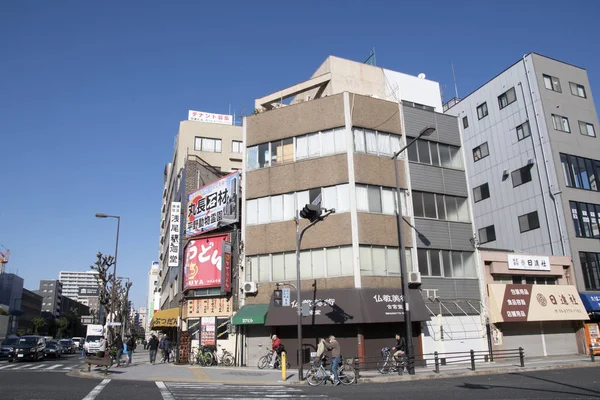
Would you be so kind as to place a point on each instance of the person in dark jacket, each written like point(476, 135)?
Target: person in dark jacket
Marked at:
point(153, 346)
point(399, 349)
point(130, 348)
point(119, 346)
point(165, 346)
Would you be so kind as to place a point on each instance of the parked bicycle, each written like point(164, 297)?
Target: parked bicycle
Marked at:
point(227, 359)
point(388, 364)
point(202, 356)
point(318, 374)
point(265, 361)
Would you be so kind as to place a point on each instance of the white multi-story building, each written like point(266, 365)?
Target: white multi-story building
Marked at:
point(153, 297)
point(73, 280)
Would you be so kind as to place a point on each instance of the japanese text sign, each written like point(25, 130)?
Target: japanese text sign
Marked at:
point(533, 263)
point(226, 269)
point(210, 307)
point(521, 303)
point(174, 225)
point(203, 262)
point(213, 206)
point(201, 116)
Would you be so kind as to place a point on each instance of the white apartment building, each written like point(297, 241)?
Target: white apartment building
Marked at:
point(73, 280)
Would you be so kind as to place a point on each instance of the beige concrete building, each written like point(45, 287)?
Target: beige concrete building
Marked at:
point(334, 142)
point(203, 152)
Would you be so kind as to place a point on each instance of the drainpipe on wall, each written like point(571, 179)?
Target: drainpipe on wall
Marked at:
point(552, 197)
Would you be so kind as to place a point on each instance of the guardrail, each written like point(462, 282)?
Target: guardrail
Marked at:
point(444, 359)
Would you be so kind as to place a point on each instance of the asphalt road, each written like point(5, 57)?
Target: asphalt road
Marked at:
point(572, 384)
point(64, 364)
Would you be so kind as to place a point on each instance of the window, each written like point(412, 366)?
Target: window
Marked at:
point(507, 98)
point(586, 219)
point(523, 131)
point(432, 153)
point(587, 129)
point(590, 263)
point(487, 234)
point(529, 222)
point(481, 192)
point(207, 144)
point(577, 90)
point(521, 176)
point(465, 121)
point(552, 83)
point(480, 152)
point(236, 146)
point(561, 123)
point(482, 111)
point(377, 199)
point(580, 173)
point(440, 206)
point(446, 263)
point(374, 142)
point(282, 151)
point(381, 260)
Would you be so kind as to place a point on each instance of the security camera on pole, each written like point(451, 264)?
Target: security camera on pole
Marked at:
point(314, 213)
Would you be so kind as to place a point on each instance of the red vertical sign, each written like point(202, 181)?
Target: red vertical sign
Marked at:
point(226, 268)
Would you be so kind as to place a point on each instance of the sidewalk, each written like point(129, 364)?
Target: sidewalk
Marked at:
point(142, 370)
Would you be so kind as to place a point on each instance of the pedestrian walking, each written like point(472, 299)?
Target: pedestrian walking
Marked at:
point(153, 346)
point(166, 348)
point(130, 349)
point(119, 346)
point(102, 348)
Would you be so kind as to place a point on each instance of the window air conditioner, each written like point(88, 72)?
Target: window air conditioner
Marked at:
point(250, 287)
point(414, 278)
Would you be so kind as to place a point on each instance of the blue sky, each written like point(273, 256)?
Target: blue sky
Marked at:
point(91, 94)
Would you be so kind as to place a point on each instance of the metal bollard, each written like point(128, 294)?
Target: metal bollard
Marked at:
point(592, 355)
point(283, 366)
point(472, 360)
point(357, 368)
point(522, 356)
point(437, 362)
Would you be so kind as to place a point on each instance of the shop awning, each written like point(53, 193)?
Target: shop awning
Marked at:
point(525, 303)
point(165, 318)
point(251, 314)
point(591, 301)
point(350, 306)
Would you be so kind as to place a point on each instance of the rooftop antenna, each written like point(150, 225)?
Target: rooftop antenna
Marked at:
point(372, 60)
point(454, 77)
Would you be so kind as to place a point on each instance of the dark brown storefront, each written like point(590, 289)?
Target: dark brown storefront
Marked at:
point(363, 320)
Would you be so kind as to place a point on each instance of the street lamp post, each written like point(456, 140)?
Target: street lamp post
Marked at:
point(405, 303)
point(314, 214)
point(113, 291)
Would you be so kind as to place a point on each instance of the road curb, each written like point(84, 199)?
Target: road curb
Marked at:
point(497, 371)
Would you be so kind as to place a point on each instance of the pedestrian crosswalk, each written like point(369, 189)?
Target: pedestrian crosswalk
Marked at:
point(184, 390)
point(39, 367)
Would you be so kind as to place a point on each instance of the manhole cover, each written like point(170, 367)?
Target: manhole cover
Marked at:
point(243, 373)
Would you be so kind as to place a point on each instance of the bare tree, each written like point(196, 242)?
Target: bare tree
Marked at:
point(106, 282)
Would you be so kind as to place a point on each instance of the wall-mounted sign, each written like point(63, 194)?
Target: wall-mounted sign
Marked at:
point(203, 262)
point(202, 116)
point(531, 263)
point(215, 307)
point(207, 331)
point(226, 269)
point(174, 224)
point(88, 291)
point(523, 303)
point(213, 206)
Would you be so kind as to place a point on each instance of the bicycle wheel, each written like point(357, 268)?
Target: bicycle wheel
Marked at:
point(383, 366)
point(278, 364)
point(228, 360)
point(263, 362)
point(312, 377)
point(208, 359)
point(347, 375)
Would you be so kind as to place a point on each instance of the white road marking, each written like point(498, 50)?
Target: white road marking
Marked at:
point(37, 366)
point(54, 366)
point(7, 366)
point(96, 391)
point(22, 366)
point(164, 392)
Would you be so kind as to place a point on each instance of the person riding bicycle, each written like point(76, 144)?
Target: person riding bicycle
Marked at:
point(336, 357)
point(277, 348)
point(399, 349)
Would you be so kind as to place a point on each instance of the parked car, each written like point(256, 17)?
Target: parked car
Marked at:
point(6, 345)
point(68, 346)
point(28, 348)
point(54, 349)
